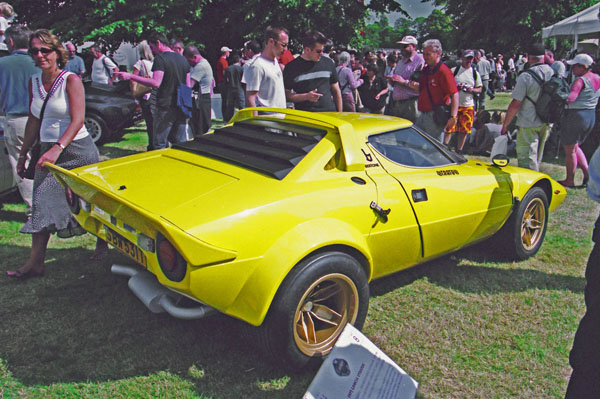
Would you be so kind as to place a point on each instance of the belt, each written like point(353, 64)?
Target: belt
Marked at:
point(16, 115)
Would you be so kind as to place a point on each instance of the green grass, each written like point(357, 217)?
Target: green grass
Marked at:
point(469, 325)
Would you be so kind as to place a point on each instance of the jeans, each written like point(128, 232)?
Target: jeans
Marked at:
point(170, 125)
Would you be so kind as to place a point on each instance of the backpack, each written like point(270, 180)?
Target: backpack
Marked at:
point(550, 104)
point(456, 69)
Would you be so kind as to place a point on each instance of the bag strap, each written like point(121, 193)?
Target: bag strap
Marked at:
point(537, 79)
point(347, 81)
point(50, 93)
point(108, 71)
point(456, 69)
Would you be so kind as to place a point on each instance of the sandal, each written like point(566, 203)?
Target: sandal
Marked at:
point(19, 275)
point(585, 181)
point(562, 183)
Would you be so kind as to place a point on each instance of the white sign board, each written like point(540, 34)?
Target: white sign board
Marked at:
point(356, 368)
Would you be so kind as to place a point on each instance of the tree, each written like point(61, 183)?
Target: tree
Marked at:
point(439, 26)
point(508, 25)
point(212, 22)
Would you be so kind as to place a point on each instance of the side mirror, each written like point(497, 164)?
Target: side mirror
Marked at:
point(500, 160)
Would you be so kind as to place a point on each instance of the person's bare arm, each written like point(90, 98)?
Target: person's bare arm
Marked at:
point(512, 110)
point(154, 81)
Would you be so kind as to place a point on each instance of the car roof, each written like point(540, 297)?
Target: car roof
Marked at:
point(366, 124)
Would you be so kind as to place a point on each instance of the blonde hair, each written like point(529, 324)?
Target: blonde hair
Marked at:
point(498, 117)
point(145, 51)
point(6, 10)
point(46, 37)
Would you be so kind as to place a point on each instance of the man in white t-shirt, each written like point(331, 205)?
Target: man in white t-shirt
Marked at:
point(103, 67)
point(202, 80)
point(262, 76)
point(468, 82)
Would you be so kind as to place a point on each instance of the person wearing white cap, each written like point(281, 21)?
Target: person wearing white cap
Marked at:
point(469, 83)
point(403, 102)
point(533, 132)
point(580, 116)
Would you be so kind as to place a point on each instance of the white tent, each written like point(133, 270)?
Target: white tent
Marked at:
point(584, 22)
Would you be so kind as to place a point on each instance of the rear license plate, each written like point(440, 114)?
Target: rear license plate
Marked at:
point(125, 246)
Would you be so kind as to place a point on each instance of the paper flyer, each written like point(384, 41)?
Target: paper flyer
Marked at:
point(356, 368)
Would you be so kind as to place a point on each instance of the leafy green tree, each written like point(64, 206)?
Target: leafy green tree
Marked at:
point(213, 23)
point(508, 25)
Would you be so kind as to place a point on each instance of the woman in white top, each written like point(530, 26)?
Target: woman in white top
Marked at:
point(64, 142)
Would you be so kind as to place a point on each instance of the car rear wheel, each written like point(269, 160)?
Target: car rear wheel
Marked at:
point(96, 127)
point(313, 305)
point(528, 224)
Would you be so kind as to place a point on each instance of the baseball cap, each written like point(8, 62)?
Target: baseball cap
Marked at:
point(225, 48)
point(408, 40)
point(581, 59)
point(468, 53)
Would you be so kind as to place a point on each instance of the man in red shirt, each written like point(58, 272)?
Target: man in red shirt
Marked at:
point(222, 65)
point(436, 86)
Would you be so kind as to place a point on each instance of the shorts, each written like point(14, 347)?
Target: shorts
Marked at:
point(465, 120)
point(576, 125)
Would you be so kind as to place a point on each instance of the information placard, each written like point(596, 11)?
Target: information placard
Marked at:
point(356, 368)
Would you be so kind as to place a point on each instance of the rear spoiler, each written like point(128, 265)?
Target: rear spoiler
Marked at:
point(147, 222)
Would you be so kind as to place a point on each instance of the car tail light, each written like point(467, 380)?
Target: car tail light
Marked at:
point(170, 260)
point(72, 200)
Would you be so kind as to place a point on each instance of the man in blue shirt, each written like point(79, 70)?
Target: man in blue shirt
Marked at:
point(15, 71)
point(75, 63)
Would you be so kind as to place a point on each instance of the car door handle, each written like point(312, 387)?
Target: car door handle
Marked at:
point(419, 195)
point(383, 213)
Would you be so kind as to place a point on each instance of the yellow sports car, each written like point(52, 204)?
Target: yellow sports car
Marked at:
point(282, 217)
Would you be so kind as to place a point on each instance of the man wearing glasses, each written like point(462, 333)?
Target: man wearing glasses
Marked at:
point(262, 74)
point(403, 102)
point(311, 81)
point(15, 71)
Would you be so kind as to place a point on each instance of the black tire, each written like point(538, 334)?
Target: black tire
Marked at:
point(97, 128)
point(341, 282)
point(525, 231)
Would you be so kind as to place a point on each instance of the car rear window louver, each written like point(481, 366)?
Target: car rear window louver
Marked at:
point(269, 147)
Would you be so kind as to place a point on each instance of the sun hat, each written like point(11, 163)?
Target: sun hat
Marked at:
point(581, 59)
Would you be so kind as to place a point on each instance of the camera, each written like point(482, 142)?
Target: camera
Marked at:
point(462, 86)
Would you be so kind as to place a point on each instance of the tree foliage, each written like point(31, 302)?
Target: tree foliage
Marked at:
point(213, 23)
point(508, 25)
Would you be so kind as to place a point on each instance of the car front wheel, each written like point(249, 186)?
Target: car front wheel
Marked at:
point(314, 303)
point(96, 127)
point(528, 224)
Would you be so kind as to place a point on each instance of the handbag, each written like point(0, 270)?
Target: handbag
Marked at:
point(138, 89)
point(500, 145)
point(184, 99)
point(36, 149)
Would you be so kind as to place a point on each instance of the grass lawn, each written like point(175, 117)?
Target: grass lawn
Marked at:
point(468, 325)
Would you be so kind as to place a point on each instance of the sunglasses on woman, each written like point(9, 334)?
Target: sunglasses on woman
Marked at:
point(36, 50)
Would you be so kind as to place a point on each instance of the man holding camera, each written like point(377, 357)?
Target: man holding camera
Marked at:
point(468, 82)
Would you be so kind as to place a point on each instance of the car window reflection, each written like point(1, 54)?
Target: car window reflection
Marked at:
point(408, 147)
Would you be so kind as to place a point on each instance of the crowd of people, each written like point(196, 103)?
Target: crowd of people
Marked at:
point(42, 98)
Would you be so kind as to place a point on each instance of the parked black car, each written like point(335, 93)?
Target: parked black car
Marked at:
point(109, 109)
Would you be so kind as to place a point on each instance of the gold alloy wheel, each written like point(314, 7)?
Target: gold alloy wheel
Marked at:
point(532, 224)
point(322, 313)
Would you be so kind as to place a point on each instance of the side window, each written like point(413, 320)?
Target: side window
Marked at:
point(408, 147)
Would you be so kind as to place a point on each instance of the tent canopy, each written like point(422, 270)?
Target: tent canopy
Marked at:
point(584, 22)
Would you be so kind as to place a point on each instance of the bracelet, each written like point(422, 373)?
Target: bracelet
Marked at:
point(454, 117)
point(62, 147)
